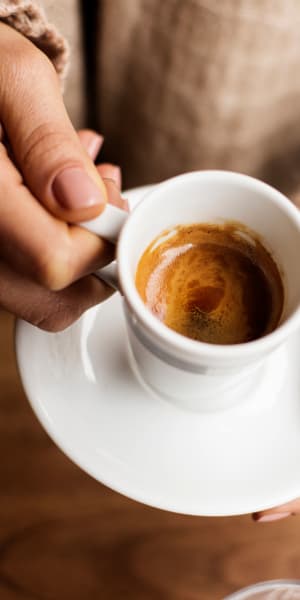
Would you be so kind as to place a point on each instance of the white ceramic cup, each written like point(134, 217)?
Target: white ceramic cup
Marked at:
point(192, 374)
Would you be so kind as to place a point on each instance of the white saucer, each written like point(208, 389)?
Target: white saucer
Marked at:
point(82, 388)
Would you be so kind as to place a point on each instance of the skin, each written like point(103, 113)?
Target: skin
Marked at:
point(46, 261)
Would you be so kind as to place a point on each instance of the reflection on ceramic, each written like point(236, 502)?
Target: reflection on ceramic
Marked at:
point(81, 385)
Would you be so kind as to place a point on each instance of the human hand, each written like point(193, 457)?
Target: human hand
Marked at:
point(278, 512)
point(48, 182)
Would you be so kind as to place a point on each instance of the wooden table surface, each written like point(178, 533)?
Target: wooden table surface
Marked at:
point(63, 536)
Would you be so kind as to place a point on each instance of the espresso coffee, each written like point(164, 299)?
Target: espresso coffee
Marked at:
point(212, 283)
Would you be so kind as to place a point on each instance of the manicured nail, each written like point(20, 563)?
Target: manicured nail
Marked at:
point(272, 517)
point(92, 142)
point(73, 188)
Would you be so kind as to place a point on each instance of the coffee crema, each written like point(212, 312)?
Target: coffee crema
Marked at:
point(212, 283)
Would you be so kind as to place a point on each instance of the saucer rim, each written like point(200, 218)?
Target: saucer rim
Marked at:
point(133, 494)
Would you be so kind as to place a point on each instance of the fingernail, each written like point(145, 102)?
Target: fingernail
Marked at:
point(73, 188)
point(92, 143)
point(113, 192)
point(125, 204)
point(112, 172)
point(272, 517)
point(116, 175)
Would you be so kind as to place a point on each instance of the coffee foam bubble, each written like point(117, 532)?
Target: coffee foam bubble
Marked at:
point(154, 287)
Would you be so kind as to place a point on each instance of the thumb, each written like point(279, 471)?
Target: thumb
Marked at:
point(55, 166)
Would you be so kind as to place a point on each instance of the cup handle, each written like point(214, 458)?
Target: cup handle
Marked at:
point(109, 274)
point(108, 226)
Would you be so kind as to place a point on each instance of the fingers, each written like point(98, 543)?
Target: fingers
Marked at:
point(41, 251)
point(113, 195)
point(91, 141)
point(47, 150)
point(279, 512)
point(111, 175)
point(52, 311)
point(108, 171)
point(38, 245)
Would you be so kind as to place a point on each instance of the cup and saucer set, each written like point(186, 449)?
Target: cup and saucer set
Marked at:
point(181, 425)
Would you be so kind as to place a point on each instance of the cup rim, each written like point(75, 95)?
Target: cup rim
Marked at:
point(263, 586)
point(180, 343)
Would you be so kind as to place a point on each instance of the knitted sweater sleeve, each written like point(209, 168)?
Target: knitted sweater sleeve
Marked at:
point(28, 18)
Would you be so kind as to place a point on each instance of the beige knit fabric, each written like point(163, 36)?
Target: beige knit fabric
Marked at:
point(29, 18)
point(58, 41)
point(66, 17)
point(196, 84)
